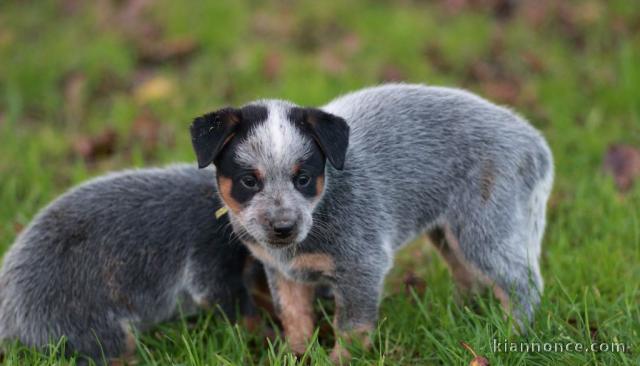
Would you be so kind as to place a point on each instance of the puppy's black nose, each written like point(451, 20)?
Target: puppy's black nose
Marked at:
point(283, 228)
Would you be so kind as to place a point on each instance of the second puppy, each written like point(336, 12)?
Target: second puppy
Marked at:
point(121, 253)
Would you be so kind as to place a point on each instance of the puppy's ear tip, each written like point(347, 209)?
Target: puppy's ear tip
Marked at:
point(202, 165)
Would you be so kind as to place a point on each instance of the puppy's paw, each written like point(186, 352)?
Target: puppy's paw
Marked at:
point(340, 355)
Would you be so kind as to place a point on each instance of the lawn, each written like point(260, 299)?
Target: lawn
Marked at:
point(90, 87)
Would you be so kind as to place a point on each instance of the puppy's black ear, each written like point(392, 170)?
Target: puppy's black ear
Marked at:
point(209, 133)
point(331, 133)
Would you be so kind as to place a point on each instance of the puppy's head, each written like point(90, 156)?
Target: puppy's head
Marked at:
point(270, 163)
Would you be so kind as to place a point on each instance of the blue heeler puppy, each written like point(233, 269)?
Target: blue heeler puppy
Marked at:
point(404, 159)
point(123, 251)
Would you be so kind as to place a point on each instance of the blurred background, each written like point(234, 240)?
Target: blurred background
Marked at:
point(92, 86)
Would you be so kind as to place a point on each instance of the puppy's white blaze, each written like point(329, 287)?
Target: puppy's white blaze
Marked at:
point(277, 131)
point(276, 143)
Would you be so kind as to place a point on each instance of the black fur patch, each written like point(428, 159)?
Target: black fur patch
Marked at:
point(329, 131)
point(225, 162)
point(314, 168)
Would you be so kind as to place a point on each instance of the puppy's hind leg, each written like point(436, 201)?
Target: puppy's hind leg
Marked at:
point(502, 258)
point(447, 246)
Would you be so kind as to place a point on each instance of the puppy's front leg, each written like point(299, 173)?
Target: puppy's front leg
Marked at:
point(294, 305)
point(357, 297)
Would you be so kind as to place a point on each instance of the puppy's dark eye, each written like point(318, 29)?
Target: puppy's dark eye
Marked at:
point(249, 182)
point(302, 180)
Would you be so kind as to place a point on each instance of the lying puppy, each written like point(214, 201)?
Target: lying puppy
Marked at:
point(120, 252)
point(404, 159)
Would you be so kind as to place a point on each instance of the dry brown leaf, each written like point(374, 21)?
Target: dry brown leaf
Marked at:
point(146, 130)
point(98, 146)
point(271, 66)
point(332, 62)
point(17, 228)
point(412, 281)
point(391, 73)
point(477, 360)
point(502, 91)
point(434, 55)
point(623, 162)
point(155, 51)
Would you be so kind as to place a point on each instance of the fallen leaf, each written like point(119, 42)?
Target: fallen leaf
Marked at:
point(351, 44)
point(391, 73)
point(623, 162)
point(271, 66)
point(71, 7)
point(477, 360)
point(504, 9)
point(502, 91)
point(273, 25)
point(146, 130)
point(6, 37)
point(434, 55)
point(411, 281)
point(17, 228)
point(156, 51)
point(155, 88)
point(331, 62)
point(98, 146)
point(533, 61)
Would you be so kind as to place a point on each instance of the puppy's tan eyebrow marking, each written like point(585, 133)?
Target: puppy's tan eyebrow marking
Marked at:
point(319, 185)
point(224, 185)
point(296, 168)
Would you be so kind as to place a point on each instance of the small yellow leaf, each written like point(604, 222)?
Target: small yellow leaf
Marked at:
point(156, 88)
point(221, 212)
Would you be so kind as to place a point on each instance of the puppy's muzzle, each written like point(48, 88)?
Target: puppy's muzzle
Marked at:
point(281, 229)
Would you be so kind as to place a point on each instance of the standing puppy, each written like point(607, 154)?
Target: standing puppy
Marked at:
point(122, 251)
point(403, 159)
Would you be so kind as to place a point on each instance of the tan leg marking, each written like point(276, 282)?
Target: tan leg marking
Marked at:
point(467, 276)
point(296, 312)
point(129, 355)
point(447, 245)
point(360, 334)
point(224, 185)
point(317, 262)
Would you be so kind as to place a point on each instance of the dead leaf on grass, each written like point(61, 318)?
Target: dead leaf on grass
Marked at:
point(502, 91)
point(477, 360)
point(623, 162)
point(98, 146)
point(156, 88)
point(392, 73)
point(146, 129)
point(412, 281)
point(156, 51)
point(272, 65)
point(17, 228)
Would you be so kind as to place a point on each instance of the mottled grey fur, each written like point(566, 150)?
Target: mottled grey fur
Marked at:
point(419, 158)
point(125, 250)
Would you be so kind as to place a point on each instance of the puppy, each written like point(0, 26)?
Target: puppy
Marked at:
point(403, 160)
point(121, 252)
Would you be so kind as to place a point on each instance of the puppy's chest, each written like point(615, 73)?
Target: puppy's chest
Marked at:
point(306, 267)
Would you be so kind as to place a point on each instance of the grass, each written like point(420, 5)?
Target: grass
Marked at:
point(71, 70)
